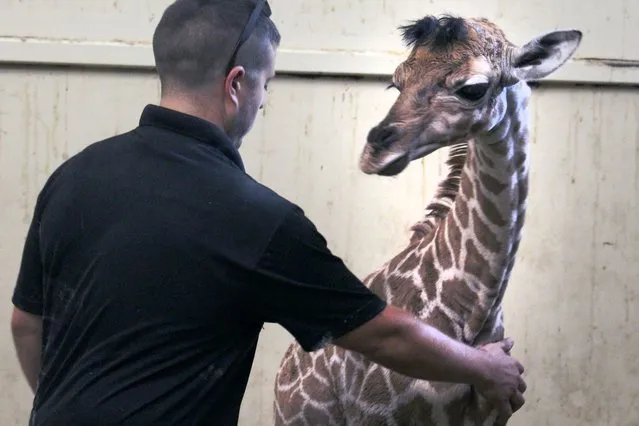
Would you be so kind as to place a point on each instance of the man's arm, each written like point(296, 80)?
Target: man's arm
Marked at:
point(26, 319)
point(27, 338)
point(301, 285)
point(401, 342)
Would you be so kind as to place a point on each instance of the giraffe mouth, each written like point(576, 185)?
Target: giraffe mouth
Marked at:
point(424, 150)
point(395, 166)
point(397, 163)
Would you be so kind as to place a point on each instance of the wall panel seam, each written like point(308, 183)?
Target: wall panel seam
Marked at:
point(130, 55)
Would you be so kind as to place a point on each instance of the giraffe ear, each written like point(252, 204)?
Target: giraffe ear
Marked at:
point(544, 54)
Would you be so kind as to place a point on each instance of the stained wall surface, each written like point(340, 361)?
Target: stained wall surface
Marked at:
point(573, 302)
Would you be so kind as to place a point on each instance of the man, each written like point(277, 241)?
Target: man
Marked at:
point(153, 260)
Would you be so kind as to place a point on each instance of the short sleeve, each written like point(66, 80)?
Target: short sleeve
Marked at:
point(27, 294)
point(302, 286)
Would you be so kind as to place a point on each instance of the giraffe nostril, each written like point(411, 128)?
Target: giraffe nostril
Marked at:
point(383, 136)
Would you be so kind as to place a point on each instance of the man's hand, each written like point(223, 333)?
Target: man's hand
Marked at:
point(503, 385)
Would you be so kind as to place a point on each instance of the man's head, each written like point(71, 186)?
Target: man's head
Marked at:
point(200, 71)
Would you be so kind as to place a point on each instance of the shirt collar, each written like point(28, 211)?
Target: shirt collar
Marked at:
point(191, 126)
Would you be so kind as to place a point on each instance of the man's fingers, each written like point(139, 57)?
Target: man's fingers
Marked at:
point(522, 385)
point(505, 412)
point(517, 401)
point(507, 344)
point(520, 367)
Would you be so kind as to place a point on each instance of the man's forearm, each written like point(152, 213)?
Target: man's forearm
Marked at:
point(401, 342)
point(27, 338)
point(423, 352)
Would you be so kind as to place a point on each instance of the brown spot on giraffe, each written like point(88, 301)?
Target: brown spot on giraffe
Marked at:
point(443, 252)
point(410, 262)
point(442, 321)
point(462, 86)
point(416, 408)
point(454, 233)
point(459, 297)
point(375, 390)
point(490, 208)
point(429, 274)
point(377, 284)
point(476, 264)
point(484, 234)
point(493, 185)
point(467, 189)
point(486, 160)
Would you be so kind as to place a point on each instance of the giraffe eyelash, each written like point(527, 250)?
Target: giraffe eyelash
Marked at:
point(392, 86)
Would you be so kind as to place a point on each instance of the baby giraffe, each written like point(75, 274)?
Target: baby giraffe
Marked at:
point(463, 86)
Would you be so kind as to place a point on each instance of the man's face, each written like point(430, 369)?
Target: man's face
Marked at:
point(251, 99)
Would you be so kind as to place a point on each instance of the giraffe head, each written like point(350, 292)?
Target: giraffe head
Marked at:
point(451, 86)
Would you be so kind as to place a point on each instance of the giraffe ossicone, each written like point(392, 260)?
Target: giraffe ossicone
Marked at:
point(462, 86)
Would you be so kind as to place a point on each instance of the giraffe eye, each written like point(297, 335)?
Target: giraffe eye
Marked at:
point(473, 92)
point(392, 86)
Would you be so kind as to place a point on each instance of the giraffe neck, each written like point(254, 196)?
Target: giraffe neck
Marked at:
point(475, 233)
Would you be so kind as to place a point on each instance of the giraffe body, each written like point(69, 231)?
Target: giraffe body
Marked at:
point(455, 269)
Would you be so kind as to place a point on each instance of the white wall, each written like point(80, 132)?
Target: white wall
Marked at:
point(327, 36)
point(573, 302)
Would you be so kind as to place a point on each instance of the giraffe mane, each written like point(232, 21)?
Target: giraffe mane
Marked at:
point(447, 189)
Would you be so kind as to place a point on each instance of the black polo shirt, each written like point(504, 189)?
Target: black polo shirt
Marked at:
point(154, 260)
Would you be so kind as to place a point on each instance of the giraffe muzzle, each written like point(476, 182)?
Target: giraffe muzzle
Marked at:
point(383, 136)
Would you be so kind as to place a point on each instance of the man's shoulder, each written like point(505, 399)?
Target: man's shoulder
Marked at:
point(285, 218)
point(264, 200)
point(94, 151)
point(98, 148)
point(69, 168)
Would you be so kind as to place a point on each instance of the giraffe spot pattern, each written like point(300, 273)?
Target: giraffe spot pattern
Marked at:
point(459, 297)
point(490, 209)
point(463, 215)
point(454, 233)
point(485, 160)
point(410, 263)
point(491, 184)
point(375, 391)
point(405, 294)
point(484, 234)
point(377, 285)
point(440, 320)
point(476, 264)
point(467, 189)
point(443, 252)
point(430, 276)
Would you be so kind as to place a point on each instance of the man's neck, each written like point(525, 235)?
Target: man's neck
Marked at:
point(192, 107)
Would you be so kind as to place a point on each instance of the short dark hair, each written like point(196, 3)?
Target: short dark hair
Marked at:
point(194, 40)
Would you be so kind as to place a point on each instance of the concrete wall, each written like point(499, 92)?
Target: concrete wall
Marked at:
point(573, 303)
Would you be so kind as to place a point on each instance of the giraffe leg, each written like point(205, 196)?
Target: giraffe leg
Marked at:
point(304, 394)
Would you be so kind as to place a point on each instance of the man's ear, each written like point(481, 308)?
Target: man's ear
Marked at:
point(232, 83)
point(544, 54)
